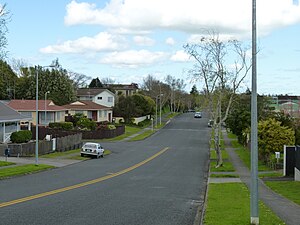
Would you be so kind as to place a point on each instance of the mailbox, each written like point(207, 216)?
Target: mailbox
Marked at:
point(7, 152)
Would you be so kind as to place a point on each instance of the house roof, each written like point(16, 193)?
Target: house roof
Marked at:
point(30, 105)
point(91, 91)
point(86, 105)
point(131, 86)
point(7, 114)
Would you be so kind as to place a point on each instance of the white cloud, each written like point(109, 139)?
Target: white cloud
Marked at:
point(133, 58)
point(231, 17)
point(99, 43)
point(181, 56)
point(170, 41)
point(143, 41)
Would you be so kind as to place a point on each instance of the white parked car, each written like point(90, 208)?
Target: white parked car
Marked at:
point(92, 149)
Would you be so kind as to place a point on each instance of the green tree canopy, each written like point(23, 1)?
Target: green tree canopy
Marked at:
point(54, 80)
point(272, 137)
point(95, 83)
point(8, 81)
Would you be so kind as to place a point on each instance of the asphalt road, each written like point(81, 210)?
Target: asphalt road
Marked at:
point(157, 181)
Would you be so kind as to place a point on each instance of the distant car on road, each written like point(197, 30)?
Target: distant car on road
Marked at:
point(210, 123)
point(198, 115)
point(92, 149)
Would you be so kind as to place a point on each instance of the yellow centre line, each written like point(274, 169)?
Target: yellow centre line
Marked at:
point(32, 197)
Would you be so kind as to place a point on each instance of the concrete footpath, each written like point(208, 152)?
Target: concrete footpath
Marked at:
point(286, 210)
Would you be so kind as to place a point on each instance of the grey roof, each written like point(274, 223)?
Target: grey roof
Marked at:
point(7, 114)
point(91, 91)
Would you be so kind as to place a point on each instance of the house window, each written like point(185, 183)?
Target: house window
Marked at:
point(110, 99)
point(58, 116)
point(99, 98)
point(100, 113)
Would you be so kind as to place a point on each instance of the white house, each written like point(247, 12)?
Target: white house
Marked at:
point(9, 122)
point(99, 96)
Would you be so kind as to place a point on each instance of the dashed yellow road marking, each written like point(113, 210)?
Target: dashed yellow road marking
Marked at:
point(100, 179)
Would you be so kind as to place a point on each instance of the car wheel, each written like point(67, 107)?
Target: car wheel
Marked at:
point(82, 155)
point(97, 156)
point(102, 156)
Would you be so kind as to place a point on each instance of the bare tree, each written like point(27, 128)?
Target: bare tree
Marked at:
point(17, 65)
point(222, 77)
point(4, 19)
point(79, 80)
point(107, 80)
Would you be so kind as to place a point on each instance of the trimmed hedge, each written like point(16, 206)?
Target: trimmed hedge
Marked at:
point(21, 136)
point(62, 125)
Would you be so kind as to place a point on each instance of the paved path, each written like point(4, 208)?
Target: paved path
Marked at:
point(287, 210)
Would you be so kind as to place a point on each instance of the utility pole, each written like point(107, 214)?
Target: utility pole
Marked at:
point(254, 146)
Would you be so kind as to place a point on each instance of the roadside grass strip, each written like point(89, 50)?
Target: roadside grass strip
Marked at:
point(223, 175)
point(83, 184)
point(142, 136)
point(4, 163)
point(22, 170)
point(60, 154)
point(245, 156)
point(213, 154)
point(227, 167)
point(288, 189)
point(229, 204)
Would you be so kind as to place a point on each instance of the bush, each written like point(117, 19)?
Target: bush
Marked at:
point(62, 125)
point(86, 124)
point(21, 136)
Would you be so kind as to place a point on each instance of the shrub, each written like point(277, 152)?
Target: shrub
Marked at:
point(62, 125)
point(86, 124)
point(21, 136)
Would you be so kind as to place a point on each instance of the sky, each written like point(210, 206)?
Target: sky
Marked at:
point(126, 40)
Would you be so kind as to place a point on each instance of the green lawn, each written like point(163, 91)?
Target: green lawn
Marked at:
point(61, 154)
point(229, 204)
point(213, 154)
point(223, 175)
point(142, 136)
point(4, 163)
point(288, 189)
point(245, 156)
point(227, 167)
point(231, 135)
point(21, 170)
point(72, 154)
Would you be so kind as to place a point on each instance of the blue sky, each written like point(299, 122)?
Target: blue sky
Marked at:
point(128, 39)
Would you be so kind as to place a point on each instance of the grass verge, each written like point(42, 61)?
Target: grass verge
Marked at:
point(61, 154)
point(228, 204)
point(227, 167)
point(142, 136)
point(288, 189)
point(4, 163)
point(245, 156)
point(213, 154)
point(214, 175)
point(22, 170)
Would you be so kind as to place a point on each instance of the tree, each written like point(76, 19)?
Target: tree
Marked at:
point(95, 83)
point(272, 137)
point(136, 105)
point(8, 81)
point(79, 79)
point(56, 81)
point(220, 82)
point(4, 19)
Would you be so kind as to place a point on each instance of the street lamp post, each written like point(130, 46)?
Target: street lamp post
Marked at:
point(37, 114)
point(47, 92)
point(254, 219)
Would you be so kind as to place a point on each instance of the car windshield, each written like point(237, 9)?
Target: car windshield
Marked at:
point(90, 146)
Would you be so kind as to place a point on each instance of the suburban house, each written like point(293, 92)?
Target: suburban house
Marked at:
point(124, 89)
point(288, 104)
point(99, 96)
point(91, 110)
point(9, 122)
point(48, 112)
